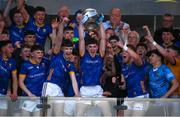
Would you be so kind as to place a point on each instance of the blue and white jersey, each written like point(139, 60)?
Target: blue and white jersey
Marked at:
point(61, 68)
point(159, 80)
point(16, 34)
point(6, 68)
point(133, 75)
point(36, 75)
point(41, 32)
point(91, 69)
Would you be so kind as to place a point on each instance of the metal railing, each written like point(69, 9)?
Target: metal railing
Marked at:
point(63, 106)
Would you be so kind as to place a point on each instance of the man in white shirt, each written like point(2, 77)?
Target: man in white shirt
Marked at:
point(115, 22)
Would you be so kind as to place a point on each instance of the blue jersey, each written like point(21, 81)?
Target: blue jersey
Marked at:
point(159, 80)
point(36, 75)
point(61, 71)
point(41, 32)
point(92, 69)
point(133, 75)
point(16, 33)
point(6, 68)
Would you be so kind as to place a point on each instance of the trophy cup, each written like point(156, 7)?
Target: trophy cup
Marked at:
point(91, 19)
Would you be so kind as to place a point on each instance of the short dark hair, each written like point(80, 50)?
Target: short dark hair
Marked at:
point(29, 32)
point(39, 8)
point(4, 43)
point(24, 46)
point(37, 47)
point(167, 30)
point(67, 43)
point(142, 44)
point(155, 52)
point(114, 37)
point(16, 11)
point(67, 28)
point(131, 47)
point(90, 40)
point(75, 52)
point(168, 15)
point(109, 29)
point(80, 11)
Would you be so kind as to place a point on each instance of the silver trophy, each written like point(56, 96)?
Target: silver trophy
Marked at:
point(91, 19)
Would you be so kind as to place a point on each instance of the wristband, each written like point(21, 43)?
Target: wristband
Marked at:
point(154, 43)
point(125, 48)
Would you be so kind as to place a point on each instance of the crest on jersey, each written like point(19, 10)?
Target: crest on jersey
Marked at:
point(68, 65)
point(44, 30)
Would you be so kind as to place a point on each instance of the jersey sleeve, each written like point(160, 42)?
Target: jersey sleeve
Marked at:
point(70, 67)
point(23, 69)
point(13, 65)
point(168, 74)
point(49, 29)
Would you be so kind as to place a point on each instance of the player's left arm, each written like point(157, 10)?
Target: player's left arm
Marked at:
point(14, 84)
point(174, 83)
point(74, 83)
point(174, 86)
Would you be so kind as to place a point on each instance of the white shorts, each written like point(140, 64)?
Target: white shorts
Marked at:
point(51, 89)
point(91, 91)
point(3, 103)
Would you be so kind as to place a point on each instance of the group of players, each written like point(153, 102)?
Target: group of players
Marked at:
point(110, 61)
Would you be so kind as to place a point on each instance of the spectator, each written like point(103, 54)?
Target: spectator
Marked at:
point(109, 32)
point(75, 23)
point(63, 14)
point(133, 38)
point(167, 23)
point(116, 23)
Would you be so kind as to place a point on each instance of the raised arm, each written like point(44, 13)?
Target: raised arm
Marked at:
point(81, 40)
point(6, 11)
point(20, 6)
point(57, 39)
point(170, 58)
point(102, 45)
point(134, 55)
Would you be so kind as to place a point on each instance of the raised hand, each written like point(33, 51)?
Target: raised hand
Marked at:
point(145, 27)
point(55, 23)
point(149, 38)
point(120, 44)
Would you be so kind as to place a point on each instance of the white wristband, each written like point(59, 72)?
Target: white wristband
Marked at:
point(154, 43)
point(125, 48)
